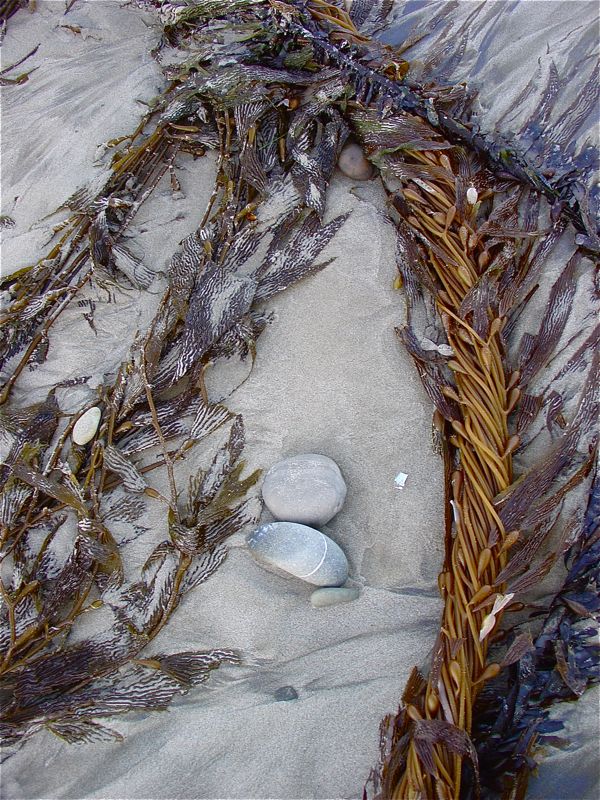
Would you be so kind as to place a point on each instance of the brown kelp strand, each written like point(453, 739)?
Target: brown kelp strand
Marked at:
point(277, 99)
point(461, 244)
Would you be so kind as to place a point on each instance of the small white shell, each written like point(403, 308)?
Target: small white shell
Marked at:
point(300, 551)
point(472, 195)
point(86, 426)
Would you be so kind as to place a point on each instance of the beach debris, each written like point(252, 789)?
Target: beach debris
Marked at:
point(472, 195)
point(307, 488)
point(353, 164)
point(400, 480)
point(300, 551)
point(443, 349)
point(86, 426)
point(285, 693)
point(469, 270)
point(321, 598)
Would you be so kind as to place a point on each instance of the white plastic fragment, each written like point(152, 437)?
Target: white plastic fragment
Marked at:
point(400, 480)
point(86, 426)
point(472, 195)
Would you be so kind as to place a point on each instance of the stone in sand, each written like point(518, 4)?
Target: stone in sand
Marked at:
point(352, 162)
point(285, 693)
point(86, 426)
point(332, 597)
point(299, 551)
point(308, 488)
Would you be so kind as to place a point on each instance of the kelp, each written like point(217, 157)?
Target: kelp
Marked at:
point(476, 219)
point(512, 713)
point(154, 411)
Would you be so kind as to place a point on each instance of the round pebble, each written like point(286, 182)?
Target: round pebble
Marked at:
point(332, 597)
point(307, 488)
point(352, 162)
point(285, 693)
point(299, 551)
point(86, 426)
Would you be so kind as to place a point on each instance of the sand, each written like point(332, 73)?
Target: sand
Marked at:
point(330, 377)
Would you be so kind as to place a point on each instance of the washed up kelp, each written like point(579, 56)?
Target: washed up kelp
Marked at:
point(475, 248)
point(154, 411)
point(276, 87)
point(512, 713)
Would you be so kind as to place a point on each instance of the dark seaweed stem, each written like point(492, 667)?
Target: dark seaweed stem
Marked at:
point(85, 247)
point(8, 8)
point(156, 405)
point(502, 158)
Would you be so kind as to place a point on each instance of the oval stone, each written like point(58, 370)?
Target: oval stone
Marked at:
point(308, 488)
point(352, 162)
point(86, 426)
point(332, 597)
point(300, 551)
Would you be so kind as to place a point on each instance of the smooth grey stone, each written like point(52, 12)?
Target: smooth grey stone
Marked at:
point(285, 693)
point(300, 551)
point(331, 597)
point(352, 162)
point(307, 488)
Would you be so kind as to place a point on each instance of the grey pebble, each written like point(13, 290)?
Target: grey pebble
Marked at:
point(352, 162)
point(285, 693)
point(300, 551)
point(306, 488)
point(332, 597)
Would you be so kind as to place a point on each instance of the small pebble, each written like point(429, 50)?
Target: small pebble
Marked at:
point(285, 693)
point(300, 551)
point(331, 597)
point(86, 426)
point(307, 488)
point(353, 163)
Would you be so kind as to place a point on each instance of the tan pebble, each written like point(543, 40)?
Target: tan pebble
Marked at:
point(86, 426)
point(353, 163)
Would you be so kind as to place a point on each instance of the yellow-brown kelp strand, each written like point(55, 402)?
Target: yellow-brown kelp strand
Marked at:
point(481, 447)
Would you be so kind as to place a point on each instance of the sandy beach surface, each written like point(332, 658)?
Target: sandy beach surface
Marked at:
point(330, 377)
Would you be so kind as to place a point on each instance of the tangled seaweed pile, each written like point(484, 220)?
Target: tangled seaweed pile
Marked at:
point(276, 88)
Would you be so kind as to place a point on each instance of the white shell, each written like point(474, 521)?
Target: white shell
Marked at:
point(352, 162)
point(307, 488)
point(472, 195)
point(86, 426)
point(321, 598)
point(300, 551)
